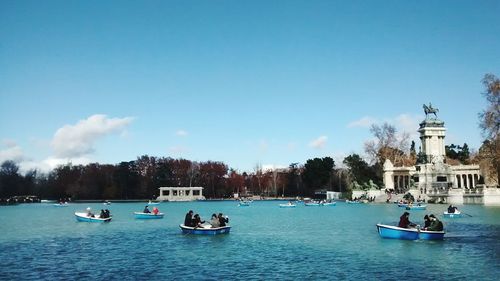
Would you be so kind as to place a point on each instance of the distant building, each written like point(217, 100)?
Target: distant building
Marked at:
point(181, 194)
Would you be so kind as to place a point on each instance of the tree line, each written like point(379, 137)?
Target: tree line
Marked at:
point(141, 178)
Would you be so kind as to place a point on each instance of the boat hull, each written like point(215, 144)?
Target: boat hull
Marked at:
point(82, 217)
point(287, 206)
point(431, 235)
point(452, 215)
point(148, 216)
point(205, 231)
point(394, 232)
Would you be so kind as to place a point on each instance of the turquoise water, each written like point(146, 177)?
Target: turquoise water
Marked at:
point(39, 241)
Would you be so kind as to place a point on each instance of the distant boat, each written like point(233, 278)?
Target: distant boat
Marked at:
point(107, 203)
point(403, 205)
point(61, 205)
point(329, 203)
point(456, 214)
point(243, 204)
point(394, 232)
point(206, 230)
point(288, 205)
point(352, 202)
point(150, 203)
point(82, 217)
point(140, 215)
point(416, 207)
point(312, 204)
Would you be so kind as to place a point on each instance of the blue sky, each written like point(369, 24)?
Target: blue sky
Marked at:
point(244, 82)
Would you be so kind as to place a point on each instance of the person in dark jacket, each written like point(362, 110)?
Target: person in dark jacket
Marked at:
point(404, 221)
point(146, 210)
point(436, 225)
point(188, 221)
point(197, 222)
point(223, 220)
point(427, 221)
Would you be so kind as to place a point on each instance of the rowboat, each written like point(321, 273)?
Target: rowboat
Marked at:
point(153, 203)
point(84, 218)
point(402, 205)
point(60, 205)
point(456, 214)
point(311, 204)
point(288, 205)
point(205, 230)
point(416, 207)
point(352, 202)
point(330, 204)
point(243, 204)
point(140, 215)
point(394, 232)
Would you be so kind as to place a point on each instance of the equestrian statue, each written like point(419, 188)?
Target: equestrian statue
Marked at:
point(428, 109)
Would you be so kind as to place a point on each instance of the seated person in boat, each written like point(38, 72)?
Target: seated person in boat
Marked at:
point(405, 222)
point(188, 220)
point(436, 225)
point(197, 221)
point(427, 221)
point(146, 210)
point(89, 213)
point(452, 209)
point(222, 220)
point(215, 221)
point(155, 211)
point(103, 214)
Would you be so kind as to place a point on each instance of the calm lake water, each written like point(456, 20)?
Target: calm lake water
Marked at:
point(39, 241)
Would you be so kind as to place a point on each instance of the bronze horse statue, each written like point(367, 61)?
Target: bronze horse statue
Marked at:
point(429, 109)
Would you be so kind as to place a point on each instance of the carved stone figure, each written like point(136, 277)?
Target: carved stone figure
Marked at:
point(430, 110)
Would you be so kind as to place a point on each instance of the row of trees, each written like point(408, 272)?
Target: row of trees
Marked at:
point(142, 177)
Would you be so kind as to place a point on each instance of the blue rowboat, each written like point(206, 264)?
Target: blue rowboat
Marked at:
point(416, 207)
point(288, 205)
point(352, 202)
point(153, 203)
point(243, 204)
point(456, 214)
point(84, 218)
point(394, 232)
point(431, 235)
point(139, 215)
point(205, 230)
point(402, 205)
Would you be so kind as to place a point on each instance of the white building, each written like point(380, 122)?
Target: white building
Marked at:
point(433, 178)
point(181, 194)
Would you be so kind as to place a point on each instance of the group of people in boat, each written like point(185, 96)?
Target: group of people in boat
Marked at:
point(431, 223)
point(147, 211)
point(103, 215)
point(196, 221)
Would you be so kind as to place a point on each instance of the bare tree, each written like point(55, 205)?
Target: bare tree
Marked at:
point(388, 144)
point(489, 153)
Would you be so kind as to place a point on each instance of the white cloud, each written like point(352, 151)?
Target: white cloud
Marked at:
point(12, 152)
point(181, 133)
point(76, 141)
point(408, 123)
point(319, 143)
point(364, 122)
